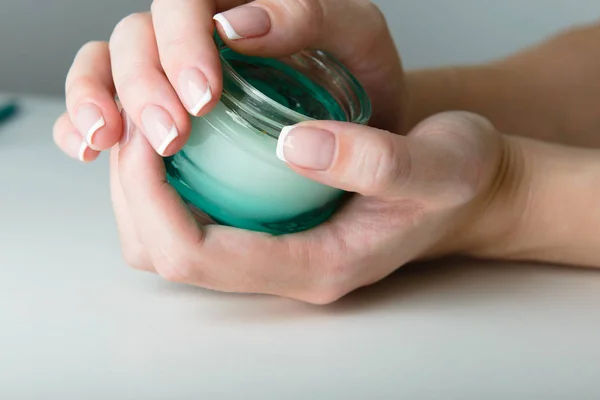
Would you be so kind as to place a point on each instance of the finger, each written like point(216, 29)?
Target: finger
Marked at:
point(134, 252)
point(308, 266)
point(90, 97)
point(442, 160)
point(143, 88)
point(162, 222)
point(354, 31)
point(219, 257)
point(318, 266)
point(68, 139)
point(184, 35)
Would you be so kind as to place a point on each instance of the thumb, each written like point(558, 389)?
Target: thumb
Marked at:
point(444, 159)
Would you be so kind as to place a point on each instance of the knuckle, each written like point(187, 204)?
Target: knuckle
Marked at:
point(92, 47)
point(325, 295)
point(126, 24)
point(78, 85)
point(475, 121)
point(453, 123)
point(379, 159)
point(155, 6)
point(174, 44)
point(91, 50)
point(333, 274)
point(329, 280)
point(136, 257)
point(175, 51)
point(176, 267)
point(138, 76)
point(158, 6)
point(465, 188)
point(311, 13)
point(387, 169)
point(467, 140)
point(171, 273)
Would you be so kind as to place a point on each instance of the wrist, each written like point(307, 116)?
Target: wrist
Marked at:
point(492, 219)
point(485, 226)
point(544, 208)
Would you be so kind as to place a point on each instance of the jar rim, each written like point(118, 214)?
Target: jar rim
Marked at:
point(291, 116)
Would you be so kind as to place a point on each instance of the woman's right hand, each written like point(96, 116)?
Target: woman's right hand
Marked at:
point(163, 65)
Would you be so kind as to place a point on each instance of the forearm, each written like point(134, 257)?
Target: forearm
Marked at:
point(502, 94)
point(550, 91)
point(552, 213)
point(562, 219)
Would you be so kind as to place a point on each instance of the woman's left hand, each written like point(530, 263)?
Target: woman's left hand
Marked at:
point(444, 188)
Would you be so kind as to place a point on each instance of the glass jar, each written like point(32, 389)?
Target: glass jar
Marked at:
point(229, 170)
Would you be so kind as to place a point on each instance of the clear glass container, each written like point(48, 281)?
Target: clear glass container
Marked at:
point(229, 169)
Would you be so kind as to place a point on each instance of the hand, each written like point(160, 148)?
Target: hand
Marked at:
point(440, 190)
point(164, 65)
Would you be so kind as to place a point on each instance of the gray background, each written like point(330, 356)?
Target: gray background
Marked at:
point(38, 38)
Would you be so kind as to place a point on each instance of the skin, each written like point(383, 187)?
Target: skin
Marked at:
point(429, 182)
point(550, 91)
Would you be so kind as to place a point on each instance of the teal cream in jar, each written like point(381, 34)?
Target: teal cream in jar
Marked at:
point(229, 169)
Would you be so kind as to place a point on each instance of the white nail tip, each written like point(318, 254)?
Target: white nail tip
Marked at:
point(206, 98)
point(168, 140)
point(82, 151)
point(281, 142)
point(229, 31)
point(94, 128)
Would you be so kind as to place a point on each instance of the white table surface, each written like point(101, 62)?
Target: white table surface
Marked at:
point(76, 323)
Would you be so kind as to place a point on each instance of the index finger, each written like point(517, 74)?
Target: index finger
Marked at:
point(184, 36)
point(354, 31)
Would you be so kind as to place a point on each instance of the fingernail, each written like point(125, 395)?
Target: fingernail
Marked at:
point(126, 129)
point(244, 22)
point(194, 90)
point(89, 120)
point(306, 147)
point(82, 150)
point(159, 128)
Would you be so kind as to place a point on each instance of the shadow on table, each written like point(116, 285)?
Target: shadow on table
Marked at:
point(431, 286)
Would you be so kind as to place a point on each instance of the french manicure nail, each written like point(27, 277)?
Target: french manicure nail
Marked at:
point(194, 90)
point(89, 120)
point(159, 128)
point(306, 147)
point(244, 22)
point(126, 129)
point(82, 150)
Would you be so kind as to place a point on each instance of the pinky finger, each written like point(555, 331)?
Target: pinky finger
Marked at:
point(68, 139)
